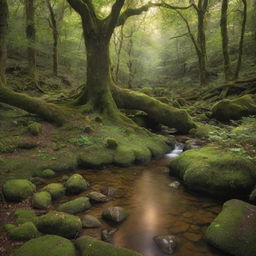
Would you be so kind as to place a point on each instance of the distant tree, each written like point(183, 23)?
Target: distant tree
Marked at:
point(3, 34)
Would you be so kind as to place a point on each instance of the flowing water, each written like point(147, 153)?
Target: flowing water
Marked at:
point(155, 208)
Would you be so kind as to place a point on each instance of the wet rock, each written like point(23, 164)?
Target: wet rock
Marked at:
point(18, 189)
point(48, 173)
point(234, 229)
point(76, 184)
point(98, 197)
point(167, 244)
point(75, 206)
point(107, 235)
point(59, 223)
point(23, 232)
point(56, 190)
point(87, 245)
point(116, 214)
point(51, 245)
point(175, 185)
point(41, 200)
point(89, 221)
point(109, 191)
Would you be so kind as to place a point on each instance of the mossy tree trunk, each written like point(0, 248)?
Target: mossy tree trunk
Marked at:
point(31, 38)
point(3, 45)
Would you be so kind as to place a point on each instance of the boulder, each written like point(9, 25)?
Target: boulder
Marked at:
point(23, 232)
point(116, 214)
point(75, 206)
point(235, 109)
point(41, 200)
point(167, 243)
point(215, 171)
point(234, 229)
point(59, 223)
point(97, 197)
point(56, 190)
point(76, 184)
point(89, 221)
point(47, 245)
point(48, 173)
point(18, 189)
point(89, 246)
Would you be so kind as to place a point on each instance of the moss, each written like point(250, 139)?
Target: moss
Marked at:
point(48, 173)
point(35, 129)
point(89, 246)
point(234, 229)
point(75, 206)
point(23, 215)
point(23, 232)
point(124, 156)
point(76, 184)
point(41, 200)
point(214, 171)
point(204, 131)
point(235, 109)
point(111, 143)
point(18, 189)
point(55, 245)
point(59, 223)
point(57, 190)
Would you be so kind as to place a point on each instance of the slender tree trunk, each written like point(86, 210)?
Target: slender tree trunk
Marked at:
point(118, 53)
point(241, 43)
point(130, 63)
point(55, 51)
point(202, 47)
point(31, 37)
point(3, 45)
point(225, 41)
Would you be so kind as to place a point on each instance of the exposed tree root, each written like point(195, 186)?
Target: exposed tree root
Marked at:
point(157, 110)
point(47, 111)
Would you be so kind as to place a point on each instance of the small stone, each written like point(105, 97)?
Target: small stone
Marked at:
point(41, 200)
point(76, 184)
point(48, 173)
point(174, 185)
point(108, 191)
point(56, 190)
point(35, 129)
point(89, 221)
point(107, 235)
point(75, 206)
point(116, 214)
point(167, 244)
point(97, 197)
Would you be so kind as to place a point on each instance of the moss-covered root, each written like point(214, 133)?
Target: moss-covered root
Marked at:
point(234, 229)
point(47, 111)
point(162, 113)
point(89, 246)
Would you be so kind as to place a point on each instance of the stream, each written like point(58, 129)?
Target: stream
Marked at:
point(155, 208)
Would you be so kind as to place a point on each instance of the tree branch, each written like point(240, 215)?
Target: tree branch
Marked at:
point(168, 6)
point(115, 12)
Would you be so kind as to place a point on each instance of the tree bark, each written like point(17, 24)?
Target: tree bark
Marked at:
point(3, 45)
point(241, 43)
point(31, 37)
point(225, 41)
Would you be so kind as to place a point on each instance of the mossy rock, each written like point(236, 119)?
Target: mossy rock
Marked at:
point(18, 189)
point(76, 184)
point(215, 171)
point(57, 190)
point(35, 129)
point(235, 109)
point(59, 223)
point(48, 173)
point(24, 232)
point(204, 131)
point(234, 229)
point(75, 206)
point(24, 215)
point(47, 245)
point(111, 143)
point(41, 200)
point(89, 246)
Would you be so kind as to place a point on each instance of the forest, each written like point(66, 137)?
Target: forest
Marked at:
point(127, 128)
